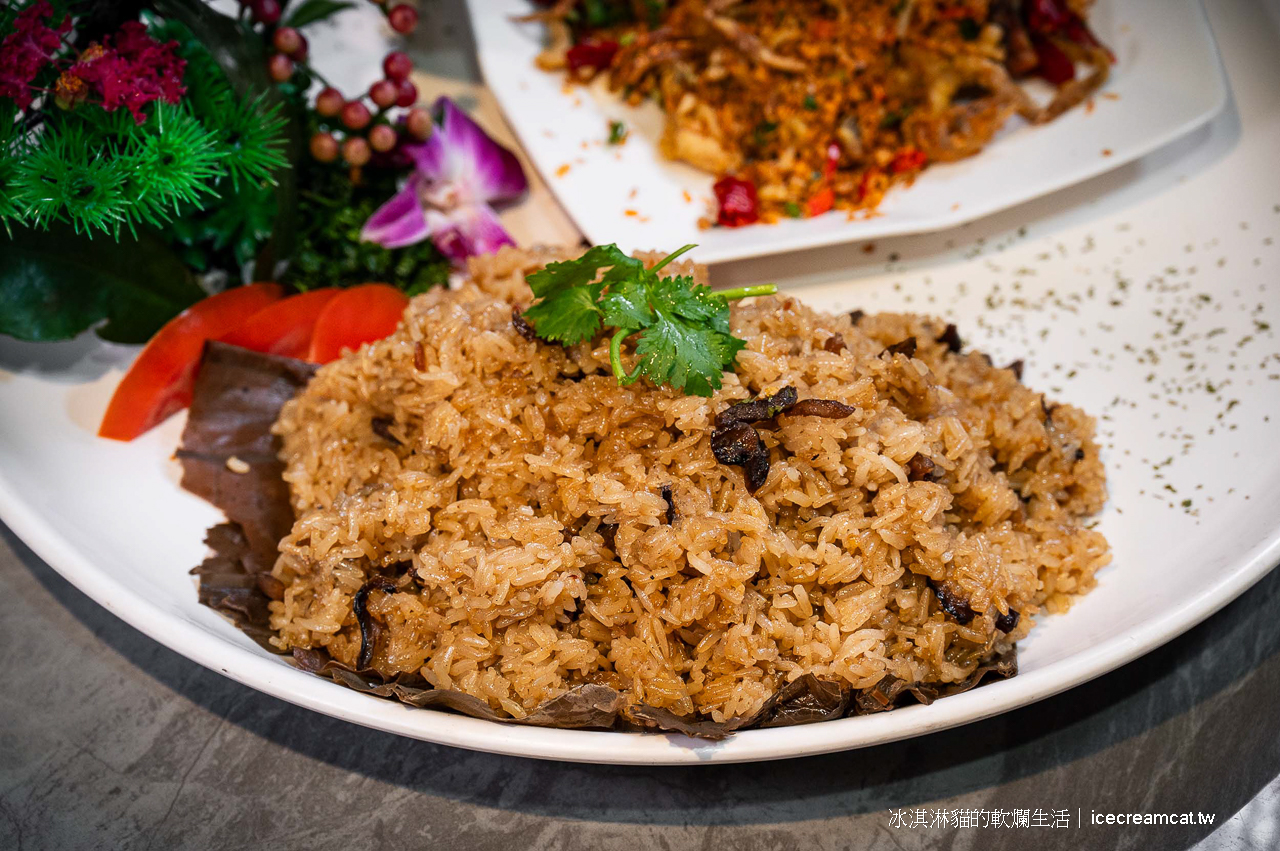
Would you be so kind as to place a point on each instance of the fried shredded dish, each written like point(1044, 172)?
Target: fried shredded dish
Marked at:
point(804, 106)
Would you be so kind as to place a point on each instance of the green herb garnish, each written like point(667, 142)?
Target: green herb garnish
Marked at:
point(893, 120)
point(810, 102)
point(617, 133)
point(763, 131)
point(684, 340)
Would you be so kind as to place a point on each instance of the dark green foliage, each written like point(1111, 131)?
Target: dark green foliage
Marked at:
point(310, 11)
point(55, 284)
point(106, 219)
point(102, 172)
point(331, 212)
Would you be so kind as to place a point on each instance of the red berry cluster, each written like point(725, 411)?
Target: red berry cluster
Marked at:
point(349, 128)
point(395, 89)
point(264, 11)
point(402, 17)
point(289, 44)
point(291, 47)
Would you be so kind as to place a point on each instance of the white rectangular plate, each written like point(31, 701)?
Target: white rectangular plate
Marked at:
point(1167, 81)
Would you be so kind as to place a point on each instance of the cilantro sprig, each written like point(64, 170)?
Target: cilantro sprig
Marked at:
point(684, 338)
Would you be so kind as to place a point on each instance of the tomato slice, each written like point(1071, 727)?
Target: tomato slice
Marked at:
point(159, 382)
point(283, 327)
point(356, 316)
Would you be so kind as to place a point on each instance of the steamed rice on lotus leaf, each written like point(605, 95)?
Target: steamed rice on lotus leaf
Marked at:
point(498, 516)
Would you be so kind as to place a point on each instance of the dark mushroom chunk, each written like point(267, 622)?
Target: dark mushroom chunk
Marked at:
point(855, 316)
point(740, 445)
point(906, 347)
point(755, 410)
point(671, 504)
point(954, 605)
point(368, 629)
point(1016, 369)
point(382, 428)
point(522, 326)
point(922, 469)
point(951, 336)
point(1007, 622)
point(609, 532)
point(827, 408)
point(401, 569)
point(835, 344)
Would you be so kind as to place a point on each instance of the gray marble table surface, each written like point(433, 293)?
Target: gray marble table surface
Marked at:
point(110, 740)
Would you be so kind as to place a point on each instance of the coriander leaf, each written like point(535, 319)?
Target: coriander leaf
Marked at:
point(577, 273)
point(679, 295)
point(567, 316)
point(684, 336)
point(677, 351)
point(626, 305)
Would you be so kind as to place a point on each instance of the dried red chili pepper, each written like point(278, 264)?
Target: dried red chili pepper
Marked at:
point(1055, 66)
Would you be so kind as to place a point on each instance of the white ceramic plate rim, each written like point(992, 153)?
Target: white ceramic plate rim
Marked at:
point(277, 678)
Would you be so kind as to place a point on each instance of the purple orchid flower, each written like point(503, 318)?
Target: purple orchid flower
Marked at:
point(459, 173)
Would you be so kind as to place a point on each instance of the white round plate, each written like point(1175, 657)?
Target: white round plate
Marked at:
point(1146, 296)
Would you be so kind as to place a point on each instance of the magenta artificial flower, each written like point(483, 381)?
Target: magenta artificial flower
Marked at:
point(132, 70)
point(459, 172)
point(26, 51)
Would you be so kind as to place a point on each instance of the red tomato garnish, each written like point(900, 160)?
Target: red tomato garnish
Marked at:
point(283, 328)
point(1055, 66)
point(822, 201)
point(591, 54)
point(356, 316)
point(160, 380)
point(908, 159)
point(833, 160)
point(736, 201)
